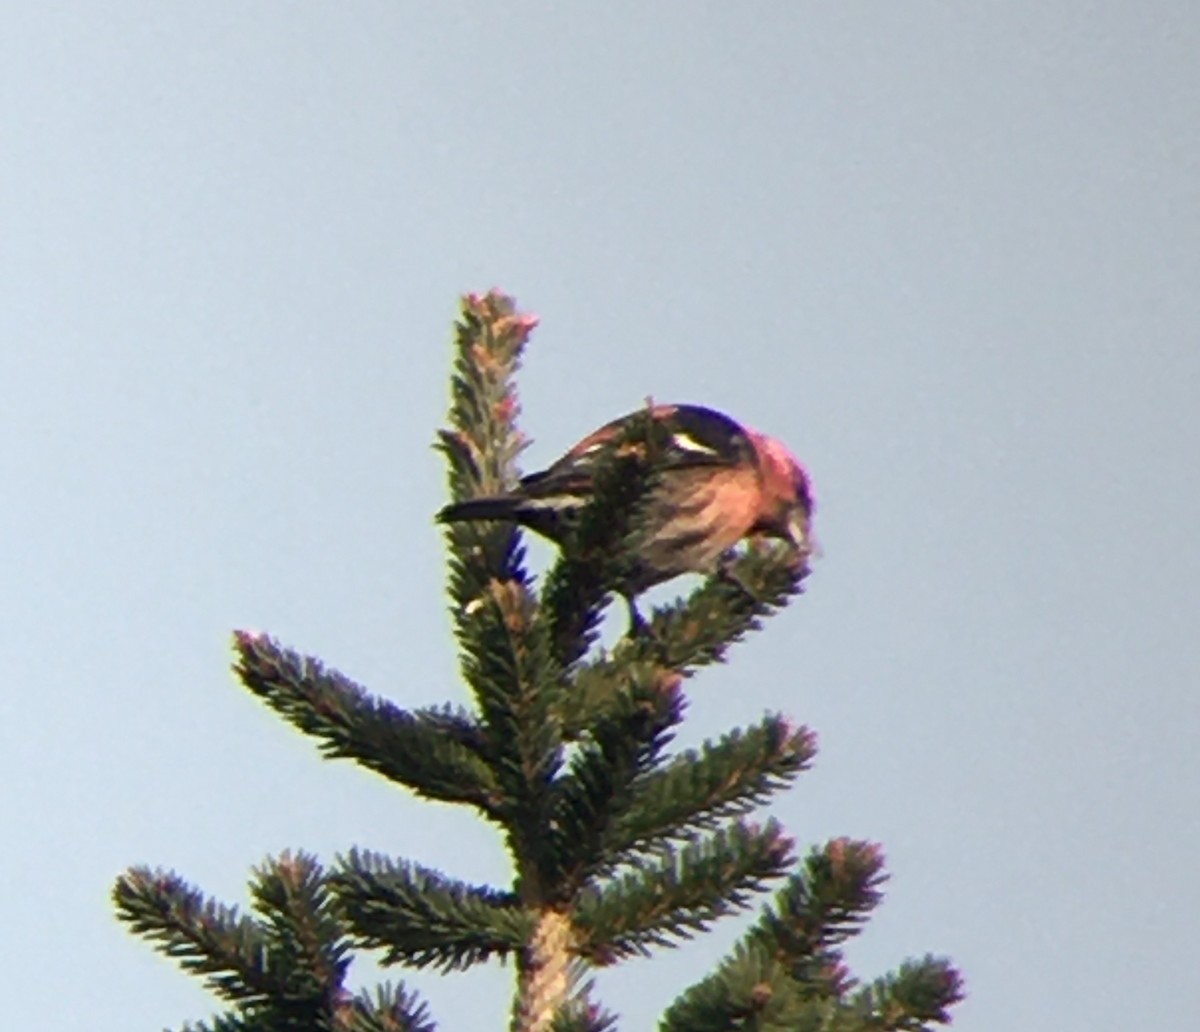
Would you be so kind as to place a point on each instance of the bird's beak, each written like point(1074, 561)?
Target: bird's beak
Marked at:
point(799, 532)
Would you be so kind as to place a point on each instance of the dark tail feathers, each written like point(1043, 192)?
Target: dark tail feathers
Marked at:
point(499, 507)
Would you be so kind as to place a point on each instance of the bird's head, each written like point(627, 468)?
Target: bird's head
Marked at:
point(788, 495)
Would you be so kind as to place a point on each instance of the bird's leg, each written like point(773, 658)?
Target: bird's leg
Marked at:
point(637, 623)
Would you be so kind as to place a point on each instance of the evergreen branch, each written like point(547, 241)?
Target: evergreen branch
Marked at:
point(702, 787)
point(598, 788)
point(698, 630)
point(285, 973)
point(823, 905)
point(483, 443)
point(389, 1009)
point(487, 561)
point(507, 665)
point(393, 1009)
point(574, 597)
point(682, 894)
point(206, 938)
point(787, 968)
point(455, 723)
point(517, 685)
point(421, 918)
point(583, 1016)
point(691, 632)
point(919, 994)
point(231, 1022)
point(518, 682)
point(412, 749)
point(292, 895)
point(750, 990)
point(269, 1018)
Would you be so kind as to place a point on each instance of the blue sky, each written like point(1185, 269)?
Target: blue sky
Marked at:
point(949, 253)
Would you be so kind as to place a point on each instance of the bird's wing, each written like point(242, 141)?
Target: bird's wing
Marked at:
point(695, 437)
point(704, 437)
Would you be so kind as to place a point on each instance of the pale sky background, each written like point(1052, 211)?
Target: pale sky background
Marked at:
point(949, 252)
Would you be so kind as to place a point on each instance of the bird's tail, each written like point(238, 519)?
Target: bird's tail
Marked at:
point(498, 507)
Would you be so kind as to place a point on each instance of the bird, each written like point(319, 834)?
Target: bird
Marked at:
point(715, 482)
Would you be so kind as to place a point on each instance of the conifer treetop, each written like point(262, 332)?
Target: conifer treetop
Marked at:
point(620, 845)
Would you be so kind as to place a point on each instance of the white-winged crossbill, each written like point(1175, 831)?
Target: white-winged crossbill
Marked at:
point(717, 482)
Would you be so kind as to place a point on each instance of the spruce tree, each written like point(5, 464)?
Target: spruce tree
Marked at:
point(619, 846)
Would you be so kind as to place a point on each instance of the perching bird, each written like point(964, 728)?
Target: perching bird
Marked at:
point(719, 482)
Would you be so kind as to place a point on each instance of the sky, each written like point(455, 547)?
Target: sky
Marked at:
point(949, 253)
